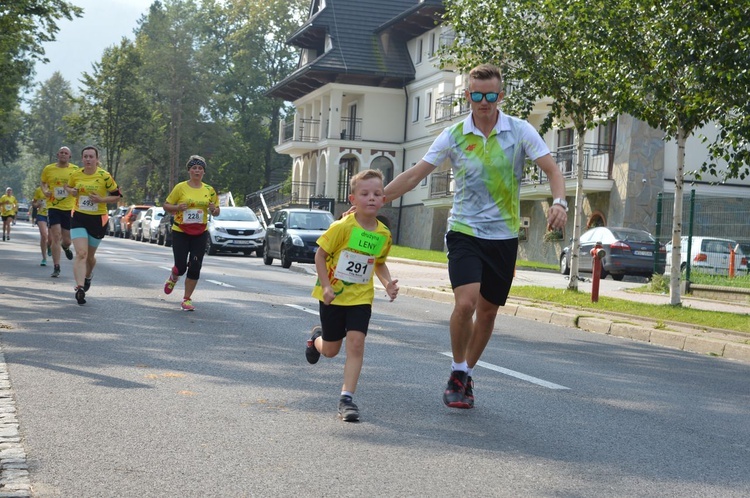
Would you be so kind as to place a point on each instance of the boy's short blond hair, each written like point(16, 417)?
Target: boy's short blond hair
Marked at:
point(364, 175)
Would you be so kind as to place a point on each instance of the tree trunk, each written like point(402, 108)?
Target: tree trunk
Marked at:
point(674, 276)
point(577, 210)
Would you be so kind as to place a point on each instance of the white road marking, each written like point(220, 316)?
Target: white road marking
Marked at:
point(517, 375)
point(220, 283)
point(302, 308)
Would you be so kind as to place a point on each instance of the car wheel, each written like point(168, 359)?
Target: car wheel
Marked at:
point(564, 268)
point(618, 278)
point(286, 260)
point(267, 259)
point(210, 248)
point(159, 240)
point(259, 254)
point(247, 253)
point(603, 274)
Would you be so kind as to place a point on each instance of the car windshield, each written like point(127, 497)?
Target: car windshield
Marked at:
point(236, 214)
point(310, 220)
point(629, 235)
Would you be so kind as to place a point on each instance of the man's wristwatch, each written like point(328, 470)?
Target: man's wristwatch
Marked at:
point(560, 202)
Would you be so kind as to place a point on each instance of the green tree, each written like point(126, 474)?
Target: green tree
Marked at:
point(46, 127)
point(168, 40)
point(247, 53)
point(556, 57)
point(112, 108)
point(24, 26)
point(681, 64)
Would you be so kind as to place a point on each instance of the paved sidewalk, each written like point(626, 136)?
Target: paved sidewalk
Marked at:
point(430, 281)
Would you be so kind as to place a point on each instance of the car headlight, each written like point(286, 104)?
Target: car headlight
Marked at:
point(297, 241)
point(221, 229)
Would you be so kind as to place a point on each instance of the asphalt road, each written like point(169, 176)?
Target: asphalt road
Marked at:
point(129, 396)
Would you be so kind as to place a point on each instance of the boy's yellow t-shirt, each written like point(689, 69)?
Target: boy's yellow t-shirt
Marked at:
point(39, 196)
point(197, 200)
point(352, 255)
point(100, 182)
point(8, 205)
point(56, 178)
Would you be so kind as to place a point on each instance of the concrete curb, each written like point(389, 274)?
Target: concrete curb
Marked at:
point(714, 343)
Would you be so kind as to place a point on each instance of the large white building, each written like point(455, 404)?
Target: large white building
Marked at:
point(369, 93)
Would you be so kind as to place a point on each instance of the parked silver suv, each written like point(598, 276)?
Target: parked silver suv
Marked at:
point(236, 229)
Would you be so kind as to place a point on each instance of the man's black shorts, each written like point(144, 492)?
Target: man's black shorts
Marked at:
point(59, 217)
point(338, 320)
point(490, 262)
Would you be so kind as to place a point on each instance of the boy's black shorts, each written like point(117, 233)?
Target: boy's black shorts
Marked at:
point(490, 262)
point(338, 320)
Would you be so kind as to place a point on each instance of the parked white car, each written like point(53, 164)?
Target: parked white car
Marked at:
point(150, 224)
point(236, 229)
point(709, 255)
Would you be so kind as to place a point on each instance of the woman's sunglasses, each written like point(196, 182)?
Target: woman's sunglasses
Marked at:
point(490, 97)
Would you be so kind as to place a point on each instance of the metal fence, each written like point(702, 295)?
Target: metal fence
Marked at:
point(705, 217)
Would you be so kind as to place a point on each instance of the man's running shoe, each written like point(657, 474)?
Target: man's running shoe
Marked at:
point(56, 272)
point(68, 252)
point(43, 263)
point(469, 392)
point(348, 411)
point(455, 390)
point(80, 296)
point(170, 283)
point(87, 283)
point(311, 352)
point(187, 305)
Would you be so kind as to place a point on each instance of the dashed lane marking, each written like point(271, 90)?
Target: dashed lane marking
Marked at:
point(517, 375)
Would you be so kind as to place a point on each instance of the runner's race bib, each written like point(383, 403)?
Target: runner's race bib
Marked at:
point(190, 216)
point(354, 268)
point(86, 204)
point(60, 193)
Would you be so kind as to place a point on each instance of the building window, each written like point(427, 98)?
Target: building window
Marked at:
point(606, 136)
point(415, 110)
point(419, 51)
point(432, 47)
point(428, 105)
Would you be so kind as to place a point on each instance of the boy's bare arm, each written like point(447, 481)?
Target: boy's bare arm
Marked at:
point(322, 271)
point(384, 275)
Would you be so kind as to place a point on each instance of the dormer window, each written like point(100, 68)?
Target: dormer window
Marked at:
point(329, 43)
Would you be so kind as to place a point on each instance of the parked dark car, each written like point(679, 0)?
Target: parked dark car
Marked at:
point(235, 229)
point(628, 251)
point(164, 230)
point(292, 234)
point(129, 217)
point(113, 225)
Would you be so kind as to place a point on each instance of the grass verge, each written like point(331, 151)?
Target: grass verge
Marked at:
point(657, 312)
point(582, 300)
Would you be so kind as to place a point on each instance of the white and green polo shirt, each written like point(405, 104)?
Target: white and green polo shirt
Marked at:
point(488, 173)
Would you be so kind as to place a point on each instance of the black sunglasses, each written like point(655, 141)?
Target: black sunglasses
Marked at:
point(490, 97)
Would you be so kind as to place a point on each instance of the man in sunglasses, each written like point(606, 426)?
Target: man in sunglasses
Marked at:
point(487, 151)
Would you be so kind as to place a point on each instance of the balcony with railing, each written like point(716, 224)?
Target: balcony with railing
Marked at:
point(308, 130)
point(597, 160)
point(596, 166)
point(450, 107)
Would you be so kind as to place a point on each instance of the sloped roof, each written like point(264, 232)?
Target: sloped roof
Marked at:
point(358, 30)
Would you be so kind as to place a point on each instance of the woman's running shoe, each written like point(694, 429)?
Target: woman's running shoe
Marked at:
point(187, 305)
point(68, 252)
point(43, 263)
point(170, 283)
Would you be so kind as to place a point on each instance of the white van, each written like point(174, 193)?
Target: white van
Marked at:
point(709, 255)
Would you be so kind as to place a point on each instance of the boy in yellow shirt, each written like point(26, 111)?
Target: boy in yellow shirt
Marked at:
point(349, 253)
